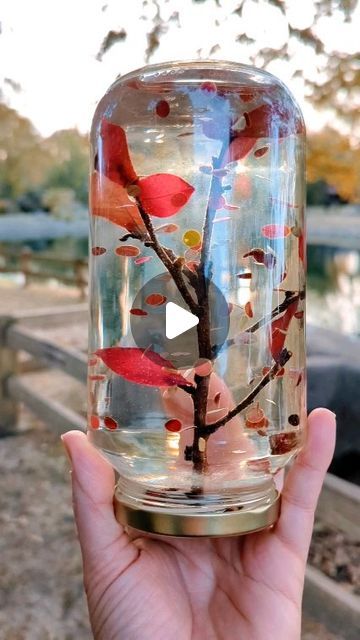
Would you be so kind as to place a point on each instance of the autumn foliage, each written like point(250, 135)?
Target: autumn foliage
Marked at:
point(332, 158)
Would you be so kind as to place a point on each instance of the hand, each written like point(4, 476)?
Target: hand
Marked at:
point(248, 587)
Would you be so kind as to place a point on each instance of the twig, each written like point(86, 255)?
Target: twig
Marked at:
point(174, 268)
point(285, 356)
point(289, 299)
point(216, 191)
point(200, 398)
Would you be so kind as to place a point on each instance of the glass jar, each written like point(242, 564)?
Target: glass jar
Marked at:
point(197, 287)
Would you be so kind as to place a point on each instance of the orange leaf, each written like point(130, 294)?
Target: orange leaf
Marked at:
point(115, 161)
point(110, 200)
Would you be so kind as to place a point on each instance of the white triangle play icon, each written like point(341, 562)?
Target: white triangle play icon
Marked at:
point(178, 320)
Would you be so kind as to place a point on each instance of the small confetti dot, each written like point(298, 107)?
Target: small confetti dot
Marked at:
point(259, 465)
point(94, 422)
point(97, 378)
point(162, 109)
point(255, 418)
point(173, 425)
point(273, 231)
point(294, 420)
point(210, 87)
point(191, 255)
point(93, 362)
point(167, 228)
point(138, 312)
point(191, 238)
point(223, 219)
point(247, 275)
point(249, 310)
point(192, 265)
point(259, 153)
point(155, 299)
point(142, 260)
point(279, 374)
point(110, 423)
point(247, 97)
point(98, 251)
point(205, 168)
point(127, 250)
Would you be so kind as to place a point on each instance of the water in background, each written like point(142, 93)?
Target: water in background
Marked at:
point(333, 294)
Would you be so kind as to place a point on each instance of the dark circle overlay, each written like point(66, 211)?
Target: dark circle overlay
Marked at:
point(148, 321)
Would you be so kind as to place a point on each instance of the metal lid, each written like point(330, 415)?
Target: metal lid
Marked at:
point(230, 523)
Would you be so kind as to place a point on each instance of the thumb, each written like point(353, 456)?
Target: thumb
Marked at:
point(93, 482)
point(304, 481)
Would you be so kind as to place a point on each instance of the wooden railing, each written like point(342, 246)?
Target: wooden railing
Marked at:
point(72, 271)
point(339, 501)
point(16, 335)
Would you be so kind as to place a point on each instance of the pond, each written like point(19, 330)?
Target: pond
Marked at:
point(333, 283)
point(333, 295)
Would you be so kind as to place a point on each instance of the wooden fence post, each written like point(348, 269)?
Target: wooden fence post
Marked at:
point(79, 270)
point(25, 258)
point(8, 367)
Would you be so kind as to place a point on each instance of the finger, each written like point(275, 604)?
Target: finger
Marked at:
point(304, 481)
point(93, 489)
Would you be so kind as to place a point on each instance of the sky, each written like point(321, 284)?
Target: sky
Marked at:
point(49, 48)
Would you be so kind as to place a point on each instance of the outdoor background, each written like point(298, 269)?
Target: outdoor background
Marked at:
point(57, 58)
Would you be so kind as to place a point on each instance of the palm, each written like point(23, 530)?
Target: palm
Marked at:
point(245, 587)
point(197, 589)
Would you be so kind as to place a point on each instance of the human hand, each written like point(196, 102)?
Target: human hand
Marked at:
point(247, 587)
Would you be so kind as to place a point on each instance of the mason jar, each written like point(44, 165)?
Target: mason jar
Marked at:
point(197, 292)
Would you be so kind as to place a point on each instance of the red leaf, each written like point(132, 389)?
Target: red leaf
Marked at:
point(270, 121)
point(239, 148)
point(111, 201)
point(279, 328)
point(115, 158)
point(163, 194)
point(138, 312)
point(266, 121)
point(142, 366)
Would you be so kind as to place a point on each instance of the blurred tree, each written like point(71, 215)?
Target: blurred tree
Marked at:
point(336, 81)
point(333, 160)
point(69, 152)
point(23, 160)
point(30, 164)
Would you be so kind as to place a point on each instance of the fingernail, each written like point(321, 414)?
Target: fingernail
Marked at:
point(67, 450)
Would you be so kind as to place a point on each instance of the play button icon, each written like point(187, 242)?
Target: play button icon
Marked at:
point(161, 321)
point(178, 320)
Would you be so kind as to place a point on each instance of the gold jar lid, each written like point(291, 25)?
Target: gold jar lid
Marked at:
point(230, 523)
